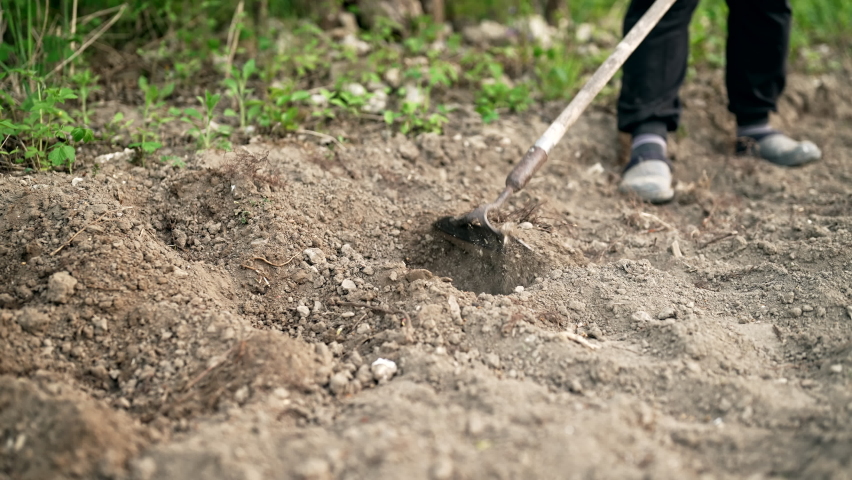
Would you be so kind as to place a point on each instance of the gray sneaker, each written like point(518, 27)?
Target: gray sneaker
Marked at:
point(779, 149)
point(650, 180)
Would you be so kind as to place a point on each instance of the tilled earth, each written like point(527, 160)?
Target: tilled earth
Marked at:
point(224, 321)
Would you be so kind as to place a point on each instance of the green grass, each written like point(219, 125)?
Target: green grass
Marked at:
point(291, 75)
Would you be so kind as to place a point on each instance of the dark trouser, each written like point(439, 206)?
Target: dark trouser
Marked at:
point(758, 40)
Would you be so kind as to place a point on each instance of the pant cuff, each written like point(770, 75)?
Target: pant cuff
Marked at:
point(750, 119)
point(653, 127)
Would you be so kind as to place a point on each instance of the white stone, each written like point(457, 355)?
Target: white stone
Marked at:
point(584, 32)
point(383, 369)
point(348, 285)
point(315, 256)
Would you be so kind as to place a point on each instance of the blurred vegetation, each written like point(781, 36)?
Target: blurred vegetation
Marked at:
point(228, 69)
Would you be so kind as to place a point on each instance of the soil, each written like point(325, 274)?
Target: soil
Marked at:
point(226, 320)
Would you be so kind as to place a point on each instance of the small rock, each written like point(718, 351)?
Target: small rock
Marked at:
point(6, 300)
point(668, 312)
point(414, 94)
point(519, 289)
point(442, 469)
point(796, 312)
point(492, 360)
point(303, 311)
point(525, 226)
point(60, 287)
point(314, 469)
point(377, 103)
point(393, 77)
point(348, 285)
point(455, 310)
point(584, 32)
point(242, 394)
point(418, 274)
point(127, 154)
point(383, 369)
point(338, 383)
point(315, 256)
point(408, 150)
point(364, 375)
point(577, 306)
point(180, 238)
point(487, 33)
point(100, 324)
point(76, 181)
point(368, 270)
point(32, 320)
point(767, 247)
point(363, 329)
point(355, 89)
point(354, 43)
point(641, 316)
point(215, 228)
point(179, 273)
point(575, 386)
point(318, 100)
point(836, 368)
point(538, 29)
point(595, 332)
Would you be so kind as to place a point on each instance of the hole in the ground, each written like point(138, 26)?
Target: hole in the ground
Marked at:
point(475, 269)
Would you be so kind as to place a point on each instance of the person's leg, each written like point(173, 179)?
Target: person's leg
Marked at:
point(653, 74)
point(648, 105)
point(758, 44)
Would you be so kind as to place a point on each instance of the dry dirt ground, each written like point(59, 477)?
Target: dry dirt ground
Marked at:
point(222, 321)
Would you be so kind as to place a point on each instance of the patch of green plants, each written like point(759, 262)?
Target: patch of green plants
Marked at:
point(236, 87)
point(207, 132)
point(413, 119)
point(37, 131)
point(147, 137)
point(496, 96)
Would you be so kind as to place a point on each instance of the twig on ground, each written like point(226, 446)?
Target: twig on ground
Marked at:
point(657, 219)
point(264, 260)
point(67, 242)
point(260, 273)
point(718, 239)
point(241, 345)
point(320, 135)
point(577, 338)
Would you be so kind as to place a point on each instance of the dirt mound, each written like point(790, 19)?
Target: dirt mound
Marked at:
point(287, 311)
point(52, 431)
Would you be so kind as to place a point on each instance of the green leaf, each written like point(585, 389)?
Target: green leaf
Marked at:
point(300, 95)
point(82, 134)
point(230, 84)
point(147, 147)
point(248, 69)
point(229, 112)
point(66, 93)
point(61, 155)
point(192, 112)
point(166, 91)
point(390, 117)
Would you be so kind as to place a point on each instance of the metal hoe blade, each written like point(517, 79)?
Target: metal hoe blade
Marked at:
point(474, 228)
